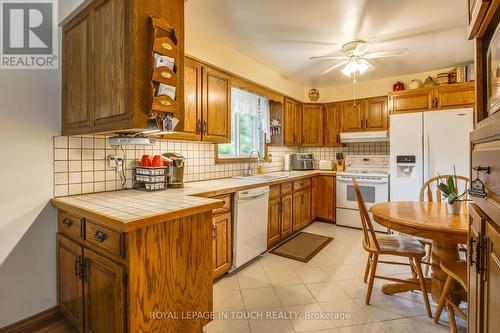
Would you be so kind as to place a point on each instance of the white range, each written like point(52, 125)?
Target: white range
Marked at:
point(372, 174)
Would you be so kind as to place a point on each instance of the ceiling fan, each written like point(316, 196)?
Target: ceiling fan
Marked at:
point(355, 57)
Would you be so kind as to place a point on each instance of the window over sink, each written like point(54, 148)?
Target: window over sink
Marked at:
point(250, 126)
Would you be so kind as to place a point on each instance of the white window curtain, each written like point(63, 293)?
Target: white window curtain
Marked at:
point(244, 102)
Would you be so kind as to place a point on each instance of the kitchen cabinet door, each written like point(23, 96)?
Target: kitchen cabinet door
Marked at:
point(301, 209)
point(292, 123)
point(454, 96)
point(191, 126)
point(110, 62)
point(477, 223)
point(323, 198)
point(476, 11)
point(411, 101)
point(306, 212)
point(69, 286)
point(312, 125)
point(104, 289)
point(77, 113)
point(352, 116)
point(216, 109)
point(492, 278)
point(222, 248)
point(274, 222)
point(376, 115)
point(286, 215)
point(298, 124)
point(331, 131)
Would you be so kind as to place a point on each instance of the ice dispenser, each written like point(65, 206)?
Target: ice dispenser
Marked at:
point(406, 166)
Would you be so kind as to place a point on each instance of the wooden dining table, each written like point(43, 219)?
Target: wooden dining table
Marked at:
point(429, 220)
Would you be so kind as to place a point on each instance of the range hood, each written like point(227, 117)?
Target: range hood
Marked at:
point(368, 136)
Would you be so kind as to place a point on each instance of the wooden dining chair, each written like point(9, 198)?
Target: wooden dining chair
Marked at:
point(457, 271)
point(400, 246)
point(425, 194)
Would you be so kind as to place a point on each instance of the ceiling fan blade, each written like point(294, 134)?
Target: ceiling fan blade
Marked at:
point(361, 48)
point(328, 57)
point(329, 69)
point(385, 54)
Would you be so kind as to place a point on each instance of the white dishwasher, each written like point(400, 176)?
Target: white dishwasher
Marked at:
point(250, 224)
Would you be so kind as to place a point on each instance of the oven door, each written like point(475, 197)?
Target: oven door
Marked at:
point(373, 190)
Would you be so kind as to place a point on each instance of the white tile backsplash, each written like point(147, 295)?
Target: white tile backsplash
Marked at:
point(80, 162)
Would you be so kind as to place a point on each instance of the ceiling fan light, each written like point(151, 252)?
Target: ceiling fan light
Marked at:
point(363, 67)
point(346, 72)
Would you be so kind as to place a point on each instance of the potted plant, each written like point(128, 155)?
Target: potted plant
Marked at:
point(450, 193)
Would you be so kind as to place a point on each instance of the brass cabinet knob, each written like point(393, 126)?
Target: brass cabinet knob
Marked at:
point(166, 46)
point(100, 236)
point(67, 222)
point(165, 103)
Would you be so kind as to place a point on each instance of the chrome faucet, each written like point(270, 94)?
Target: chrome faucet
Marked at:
point(250, 169)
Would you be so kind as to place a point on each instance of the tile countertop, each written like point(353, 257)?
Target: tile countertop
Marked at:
point(127, 210)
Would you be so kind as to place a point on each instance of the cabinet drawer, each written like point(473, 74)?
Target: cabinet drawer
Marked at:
point(286, 188)
point(103, 237)
point(274, 191)
point(302, 183)
point(69, 225)
point(227, 204)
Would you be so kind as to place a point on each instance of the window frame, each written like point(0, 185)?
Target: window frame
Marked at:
point(238, 159)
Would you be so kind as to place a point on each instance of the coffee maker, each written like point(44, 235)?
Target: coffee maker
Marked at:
point(176, 170)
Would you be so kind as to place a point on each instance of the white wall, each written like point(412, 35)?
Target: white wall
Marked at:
point(30, 116)
point(206, 48)
point(371, 88)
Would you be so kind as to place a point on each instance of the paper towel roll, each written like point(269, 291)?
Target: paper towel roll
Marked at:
point(286, 165)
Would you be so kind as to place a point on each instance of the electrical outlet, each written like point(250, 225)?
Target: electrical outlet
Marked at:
point(112, 161)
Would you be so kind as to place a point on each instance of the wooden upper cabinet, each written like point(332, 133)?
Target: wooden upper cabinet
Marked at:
point(107, 66)
point(216, 110)
point(460, 95)
point(312, 124)
point(476, 11)
point(353, 116)
point(331, 120)
point(449, 96)
point(222, 247)
point(191, 125)
point(411, 100)
point(69, 287)
point(77, 113)
point(376, 114)
point(292, 123)
point(104, 294)
point(111, 64)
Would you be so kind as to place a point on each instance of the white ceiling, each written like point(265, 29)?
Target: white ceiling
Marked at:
point(283, 34)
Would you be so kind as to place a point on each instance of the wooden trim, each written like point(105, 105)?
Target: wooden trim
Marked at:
point(34, 322)
point(265, 158)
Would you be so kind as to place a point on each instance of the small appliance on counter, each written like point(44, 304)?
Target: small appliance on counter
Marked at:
point(302, 161)
point(176, 172)
point(326, 165)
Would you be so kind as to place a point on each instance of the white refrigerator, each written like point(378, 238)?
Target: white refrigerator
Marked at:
point(424, 144)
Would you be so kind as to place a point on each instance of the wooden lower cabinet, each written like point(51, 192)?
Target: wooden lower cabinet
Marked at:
point(163, 267)
point(91, 291)
point(69, 286)
point(323, 198)
point(274, 221)
point(222, 248)
point(301, 209)
point(492, 278)
point(105, 311)
point(286, 215)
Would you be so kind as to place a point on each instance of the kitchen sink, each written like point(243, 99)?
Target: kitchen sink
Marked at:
point(266, 176)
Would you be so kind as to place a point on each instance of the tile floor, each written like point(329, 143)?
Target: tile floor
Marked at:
point(329, 287)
